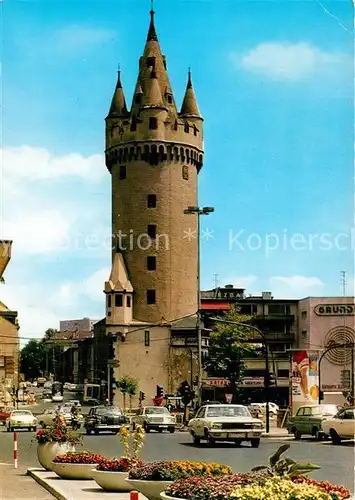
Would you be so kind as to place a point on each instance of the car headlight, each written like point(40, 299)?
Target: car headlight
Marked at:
point(171, 419)
point(257, 425)
point(215, 425)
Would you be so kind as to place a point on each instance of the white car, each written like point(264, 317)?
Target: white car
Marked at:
point(155, 417)
point(225, 423)
point(341, 426)
point(57, 398)
point(21, 419)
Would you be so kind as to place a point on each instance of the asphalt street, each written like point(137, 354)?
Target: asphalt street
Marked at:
point(337, 462)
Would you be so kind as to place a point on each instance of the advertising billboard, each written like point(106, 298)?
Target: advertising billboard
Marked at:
point(304, 378)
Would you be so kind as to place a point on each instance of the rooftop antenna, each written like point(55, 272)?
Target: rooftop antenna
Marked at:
point(152, 6)
point(216, 281)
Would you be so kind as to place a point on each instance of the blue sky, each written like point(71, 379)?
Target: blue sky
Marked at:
point(274, 82)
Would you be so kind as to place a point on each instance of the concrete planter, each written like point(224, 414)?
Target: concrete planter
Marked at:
point(164, 496)
point(73, 471)
point(111, 480)
point(47, 452)
point(150, 489)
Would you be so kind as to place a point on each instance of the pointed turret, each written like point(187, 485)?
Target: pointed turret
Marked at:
point(189, 106)
point(118, 103)
point(152, 97)
point(152, 34)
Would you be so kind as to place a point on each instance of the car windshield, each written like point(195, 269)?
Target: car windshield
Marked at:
point(329, 410)
point(156, 410)
point(21, 412)
point(228, 411)
point(110, 411)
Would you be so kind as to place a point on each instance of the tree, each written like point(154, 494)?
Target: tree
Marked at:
point(228, 347)
point(127, 385)
point(49, 333)
point(32, 359)
point(132, 391)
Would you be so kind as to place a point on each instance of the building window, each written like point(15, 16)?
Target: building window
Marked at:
point(151, 263)
point(153, 123)
point(186, 128)
point(123, 172)
point(150, 62)
point(109, 302)
point(175, 125)
point(283, 373)
point(118, 300)
point(150, 296)
point(138, 98)
point(129, 301)
point(133, 125)
point(304, 315)
point(169, 98)
point(185, 172)
point(152, 231)
point(304, 334)
point(195, 130)
point(278, 309)
point(152, 200)
point(147, 338)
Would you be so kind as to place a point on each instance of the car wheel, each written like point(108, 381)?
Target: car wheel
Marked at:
point(88, 432)
point(196, 440)
point(255, 443)
point(296, 433)
point(172, 430)
point(146, 428)
point(210, 440)
point(334, 436)
point(238, 442)
point(316, 433)
point(160, 430)
point(96, 432)
point(8, 429)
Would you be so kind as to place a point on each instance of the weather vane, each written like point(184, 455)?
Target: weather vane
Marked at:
point(152, 5)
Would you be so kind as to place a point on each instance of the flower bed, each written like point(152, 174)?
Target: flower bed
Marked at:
point(254, 486)
point(170, 470)
point(121, 464)
point(79, 457)
point(57, 434)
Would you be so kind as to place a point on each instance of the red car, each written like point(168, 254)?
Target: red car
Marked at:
point(5, 413)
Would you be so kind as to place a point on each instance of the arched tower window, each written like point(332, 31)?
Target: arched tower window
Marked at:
point(186, 127)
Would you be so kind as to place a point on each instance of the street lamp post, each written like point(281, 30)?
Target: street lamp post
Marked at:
point(199, 211)
point(267, 368)
point(346, 345)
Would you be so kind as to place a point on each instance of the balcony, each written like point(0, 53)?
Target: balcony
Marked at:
point(5, 255)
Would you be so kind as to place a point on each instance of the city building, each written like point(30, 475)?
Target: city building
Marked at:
point(9, 339)
point(277, 319)
point(154, 152)
point(325, 322)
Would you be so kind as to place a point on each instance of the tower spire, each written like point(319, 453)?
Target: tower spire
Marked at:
point(189, 106)
point(152, 34)
point(118, 103)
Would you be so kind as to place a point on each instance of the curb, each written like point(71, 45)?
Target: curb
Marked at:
point(53, 491)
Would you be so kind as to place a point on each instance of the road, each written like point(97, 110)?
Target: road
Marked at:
point(337, 462)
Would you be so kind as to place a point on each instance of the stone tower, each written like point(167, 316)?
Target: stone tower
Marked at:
point(154, 154)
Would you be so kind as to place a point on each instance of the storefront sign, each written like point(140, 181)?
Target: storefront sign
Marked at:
point(216, 382)
point(335, 309)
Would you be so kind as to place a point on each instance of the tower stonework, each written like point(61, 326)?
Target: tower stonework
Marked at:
point(154, 154)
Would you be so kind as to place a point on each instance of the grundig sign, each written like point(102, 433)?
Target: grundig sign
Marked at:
point(335, 309)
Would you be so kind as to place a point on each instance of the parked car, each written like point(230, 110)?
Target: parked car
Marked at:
point(155, 418)
point(5, 412)
point(225, 423)
point(47, 394)
point(308, 420)
point(341, 426)
point(21, 419)
point(104, 418)
point(73, 402)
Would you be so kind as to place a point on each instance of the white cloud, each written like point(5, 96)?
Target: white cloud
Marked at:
point(33, 164)
point(295, 286)
point(289, 61)
point(42, 306)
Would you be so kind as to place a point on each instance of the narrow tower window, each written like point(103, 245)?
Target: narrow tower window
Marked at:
point(151, 263)
point(153, 123)
point(147, 338)
point(152, 201)
point(122, 172)
point(150, 62)
point(151, 297)
point(195, 130)
point(138, 98)
point(175, 125)
point(152, 231)
point(185, 172)
point(186, 127)
point(129, 302)
point(133, 125)
point(109, 303)
point(118, 300)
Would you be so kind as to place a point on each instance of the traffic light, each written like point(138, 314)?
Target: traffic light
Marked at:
point(187, 394)
point(141, 396)
point(269, 379)
point(160, 391)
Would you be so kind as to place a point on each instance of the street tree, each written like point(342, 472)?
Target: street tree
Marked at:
point(132, 391)
point(128, 386)
point(228, 348)
point(32, 359)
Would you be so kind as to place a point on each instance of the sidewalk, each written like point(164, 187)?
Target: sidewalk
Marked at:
point(15, 484)
point(277, 432)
